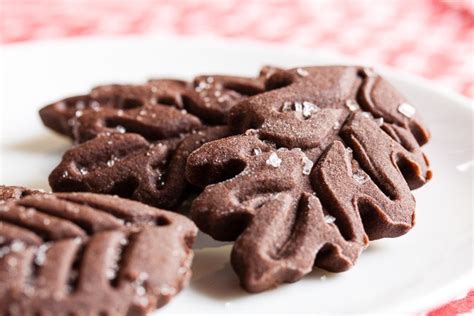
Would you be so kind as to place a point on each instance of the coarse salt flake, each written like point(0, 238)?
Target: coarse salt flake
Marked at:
point(329, 219)
point(257, 152)
point(302, 72)
point(40, 257)
point(274, 160)
point(17, 246)
point(360, 177)
point(120, 129)
point(287, 106)
point(379, 121)
point(352, 105)
point(407, 109)
point(307, 165)
point(309, 108)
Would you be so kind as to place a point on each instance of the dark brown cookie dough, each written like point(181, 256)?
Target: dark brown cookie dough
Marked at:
point(136, 139)
point(326, 161)
point(159, 109)
point(90, 254)
point(131, 166)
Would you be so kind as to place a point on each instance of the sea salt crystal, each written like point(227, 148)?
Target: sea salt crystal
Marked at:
point(329, 219)
point(140, 290)
point(360, 177)
point(142, 277)
point(201, 86)
point(115, 254)
point(46, 221)
point(251, 132)
point(17, 246)
point(302, 72)
point(307, 165)
point(287, 106)
point(111, 161)
point(40, 256)
point(4, 251)
point(120, 129)
point(80, 105)
point(120, 112)
point(95, 106)
point(379, 121)
point(167, 290)
point(257, 152)
point(65, 174)
point(352, 105)
point(407, 109)
point(274, 160)
point(298, 107)
point(123, 241)
point(209, 79)
point(142, 301)
point(111, 272)
point(336, 126)
point(309, 108)
point(83, 171)
point(367, 114)
point(78, 113)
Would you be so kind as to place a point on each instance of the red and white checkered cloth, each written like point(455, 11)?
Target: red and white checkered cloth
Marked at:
point(432, 38)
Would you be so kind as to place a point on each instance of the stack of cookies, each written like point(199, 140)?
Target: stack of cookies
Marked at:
point(300, 167)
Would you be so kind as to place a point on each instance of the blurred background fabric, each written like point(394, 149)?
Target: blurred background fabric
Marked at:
point(431, 38)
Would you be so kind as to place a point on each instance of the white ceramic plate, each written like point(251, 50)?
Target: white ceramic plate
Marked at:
point(426, 267)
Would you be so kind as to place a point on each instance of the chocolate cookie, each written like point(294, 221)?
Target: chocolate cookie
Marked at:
point(159, 109)
point(90, 254)
point(326, 161)
point(140, 136)
point(131, 166)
